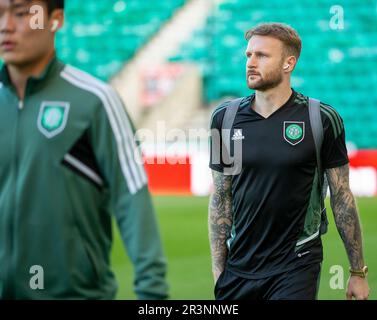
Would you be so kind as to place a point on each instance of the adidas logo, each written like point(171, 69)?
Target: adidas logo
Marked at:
point(238, 135)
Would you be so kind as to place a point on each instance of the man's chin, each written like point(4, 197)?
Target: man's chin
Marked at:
point(255, 85)
point(16, 60)
point(10, 58)
point(259, 86)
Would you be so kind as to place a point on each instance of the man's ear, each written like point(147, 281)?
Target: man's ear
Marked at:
point(289, 63)
point(56, 20)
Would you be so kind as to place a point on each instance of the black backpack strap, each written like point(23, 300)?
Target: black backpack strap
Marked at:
point(318, 136)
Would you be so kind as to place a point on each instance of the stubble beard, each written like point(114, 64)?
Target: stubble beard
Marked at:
point(271, 80)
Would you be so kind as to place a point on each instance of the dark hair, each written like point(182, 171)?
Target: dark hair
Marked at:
point(54, 4)
point(280, 31)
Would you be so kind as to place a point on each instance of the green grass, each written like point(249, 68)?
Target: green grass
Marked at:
point(183, 226)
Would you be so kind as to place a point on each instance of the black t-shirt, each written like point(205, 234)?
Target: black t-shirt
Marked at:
point(271, 194)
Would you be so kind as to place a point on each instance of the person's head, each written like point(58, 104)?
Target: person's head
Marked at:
point(27, 29)
point(272, 53)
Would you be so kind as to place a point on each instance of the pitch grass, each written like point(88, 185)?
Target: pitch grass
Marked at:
point(183, 226)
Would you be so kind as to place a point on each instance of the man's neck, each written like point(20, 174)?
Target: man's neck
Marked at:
point(267, 102)
point(19, 74)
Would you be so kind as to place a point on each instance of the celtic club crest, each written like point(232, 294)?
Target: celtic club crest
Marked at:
point(52, 118)
point(293, 132)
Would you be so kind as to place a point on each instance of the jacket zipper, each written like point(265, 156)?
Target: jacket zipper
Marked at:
point(17, 167)
point(12, 217)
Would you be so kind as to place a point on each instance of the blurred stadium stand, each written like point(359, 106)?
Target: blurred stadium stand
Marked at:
point(100, 36)
point(336, 66)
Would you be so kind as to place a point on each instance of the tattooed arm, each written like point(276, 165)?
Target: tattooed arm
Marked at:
point(220, 221)
point(347, 222)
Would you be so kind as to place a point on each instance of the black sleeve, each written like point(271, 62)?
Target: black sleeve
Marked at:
point(215, 141)
point(334, 150)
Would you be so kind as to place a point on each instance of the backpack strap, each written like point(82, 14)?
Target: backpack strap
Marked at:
point(318, 136)
point(228, 120)
point(317, 128)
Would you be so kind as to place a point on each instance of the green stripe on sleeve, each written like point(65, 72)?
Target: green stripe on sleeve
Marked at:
point(334, 126)
point(336, 117)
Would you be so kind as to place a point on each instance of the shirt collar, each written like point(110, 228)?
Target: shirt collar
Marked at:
point(34, 82)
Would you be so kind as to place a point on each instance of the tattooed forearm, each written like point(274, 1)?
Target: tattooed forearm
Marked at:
point(345, 214)
point(220, 220)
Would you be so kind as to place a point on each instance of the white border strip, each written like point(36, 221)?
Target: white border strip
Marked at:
point(313, 236)
point(83, 169)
